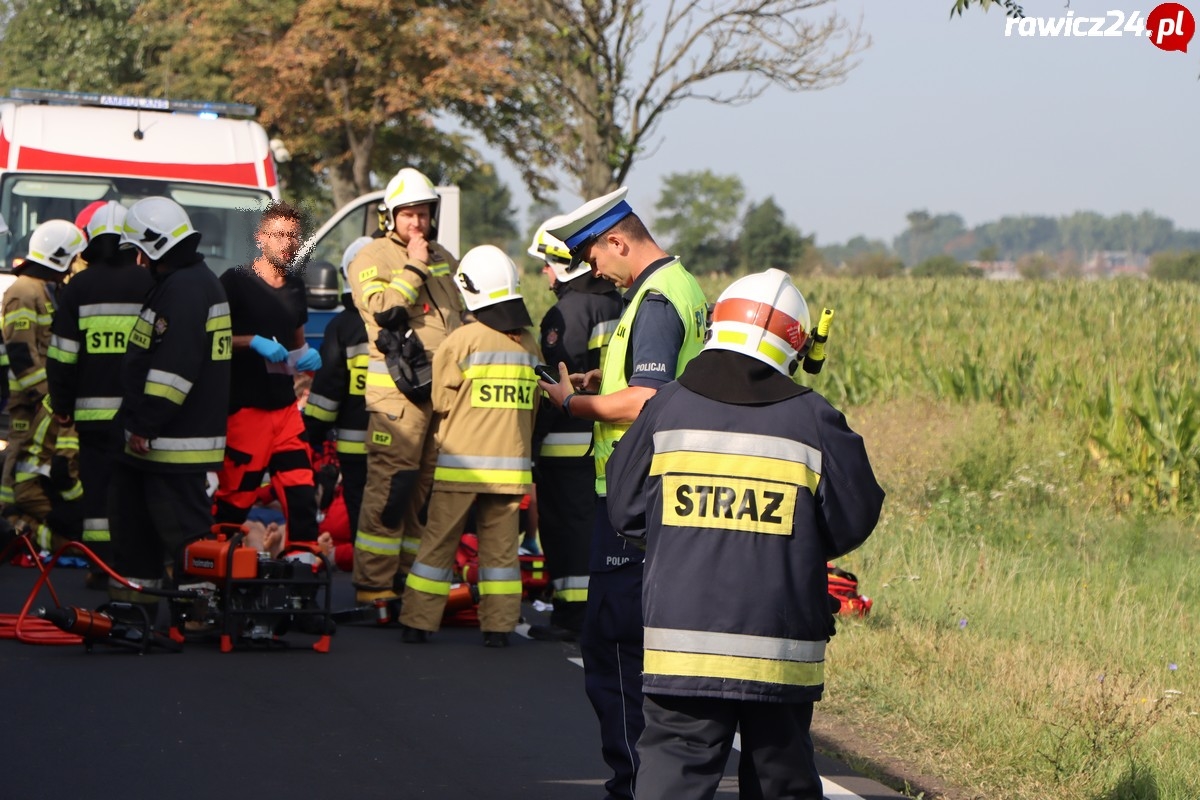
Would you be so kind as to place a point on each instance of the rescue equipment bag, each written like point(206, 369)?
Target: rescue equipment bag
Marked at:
point(405, 356)
point(843, 593)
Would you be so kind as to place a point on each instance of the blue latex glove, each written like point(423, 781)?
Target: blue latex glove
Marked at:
point(309, 362)
point(269, 349)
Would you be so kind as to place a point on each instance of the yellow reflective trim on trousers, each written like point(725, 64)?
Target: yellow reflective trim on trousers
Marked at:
point(572, 595)
point(504, 476)
point(74, 493)
point(95, 414)
point(410, 544)
point(179, 456)
point(762, 670)
point(96, 536)
point(351, 448)
point(379, 545)
point(683, 462)
point(498, 587)
point(316, 412)
point(417, 583)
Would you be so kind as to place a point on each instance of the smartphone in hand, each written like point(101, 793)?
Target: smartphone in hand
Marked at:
point(545, 374)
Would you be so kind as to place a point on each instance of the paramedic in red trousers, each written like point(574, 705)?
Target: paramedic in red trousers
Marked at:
point(175, 391)
point(742, 485)
point(268, 309)
point(484, 398)
point(659, 331)
point(96, 313)
point(29, 305)
point(337, 401)
point(575, 332)
point(403, 284)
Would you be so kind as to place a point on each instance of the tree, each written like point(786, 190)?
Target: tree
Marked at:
point(874, 265)
point(486, 208)
point(1176, 266)
point(1011, 7)
point(593, 121)
point(72, 45)
point(700, 212)
point(354, 86)
point(927, 235)
point(943, 266)
point(767, 240)
point(838, 254)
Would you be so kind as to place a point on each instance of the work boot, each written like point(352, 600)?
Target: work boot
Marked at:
point(414, 636)
point(552, 633)
point(495, 639)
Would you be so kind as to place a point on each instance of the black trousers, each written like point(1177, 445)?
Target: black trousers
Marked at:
point(611, 646)
point(687, 740)
point(98, 451)
point(566, 497)
point(354, 481)
point(152, 515)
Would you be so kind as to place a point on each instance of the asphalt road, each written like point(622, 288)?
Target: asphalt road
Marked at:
point(372, 718)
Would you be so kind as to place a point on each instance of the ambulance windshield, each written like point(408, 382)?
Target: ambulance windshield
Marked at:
point(224, 215)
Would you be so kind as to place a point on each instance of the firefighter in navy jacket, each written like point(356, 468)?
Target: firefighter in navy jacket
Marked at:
point(338, 398)
point(742, 485)
point(175, 379)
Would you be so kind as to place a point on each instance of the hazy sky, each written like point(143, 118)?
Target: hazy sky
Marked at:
point(952, 116)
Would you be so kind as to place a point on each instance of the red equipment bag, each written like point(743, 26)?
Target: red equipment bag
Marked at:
point(843, 589)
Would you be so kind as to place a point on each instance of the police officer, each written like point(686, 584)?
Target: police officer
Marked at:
point(96, 313)
point(402, 283)
point(485, 398)
point(29, 305)
point(175, 382)
point(659, 331)
point(575, 332)
point(742, 485)
point(337, 400)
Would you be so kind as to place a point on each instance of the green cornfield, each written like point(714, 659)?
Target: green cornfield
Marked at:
point(1035, 575)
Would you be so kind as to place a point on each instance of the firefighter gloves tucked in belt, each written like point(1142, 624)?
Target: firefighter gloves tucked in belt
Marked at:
point(407, 363)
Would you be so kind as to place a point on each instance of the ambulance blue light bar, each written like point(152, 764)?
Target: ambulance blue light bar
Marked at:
point(139, 103)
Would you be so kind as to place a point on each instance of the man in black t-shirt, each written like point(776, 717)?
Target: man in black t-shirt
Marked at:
point(266, 431)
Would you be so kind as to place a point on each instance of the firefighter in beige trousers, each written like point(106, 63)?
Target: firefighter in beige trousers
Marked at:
point(401, 282)
point(485, 396)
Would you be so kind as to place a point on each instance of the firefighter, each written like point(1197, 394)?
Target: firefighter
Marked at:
point(403, 287)
point(95, 315)
point(484, 398)
point(268, 309)
point(575, 332)
point(29, 306)
point(742, 485)
point(659, 331)
point(175, 399)
point(338, 397)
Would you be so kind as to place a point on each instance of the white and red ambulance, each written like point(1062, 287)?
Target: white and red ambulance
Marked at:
point(60, 151)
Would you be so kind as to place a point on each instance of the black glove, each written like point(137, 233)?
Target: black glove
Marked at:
point(394, 319)
point(327, 478)
point(407, 363)
point(60, 473)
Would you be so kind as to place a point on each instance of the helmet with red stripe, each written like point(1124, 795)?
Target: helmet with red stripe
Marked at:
point(763, 316)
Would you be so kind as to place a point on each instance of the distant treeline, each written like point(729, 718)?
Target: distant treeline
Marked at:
point(1075, 237)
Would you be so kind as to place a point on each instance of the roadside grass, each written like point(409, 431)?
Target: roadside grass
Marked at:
point(1025, 641)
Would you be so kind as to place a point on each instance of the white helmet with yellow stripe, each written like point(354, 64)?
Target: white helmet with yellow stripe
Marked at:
point(156, 224)
point(555, 253)
point(487, 276)
point(55, 243)
point(409, 187)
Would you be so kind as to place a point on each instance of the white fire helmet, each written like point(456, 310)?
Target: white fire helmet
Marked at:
point(765, 317)
point(108, 218)
point(554, 252)
point(409, 187)
point(154, 225)
point(487, 276)
point(348, 256)
point(55, 243)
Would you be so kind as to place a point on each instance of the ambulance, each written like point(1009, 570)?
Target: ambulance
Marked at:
point(60, 151)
